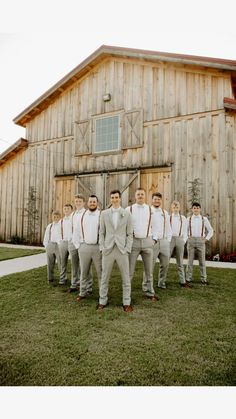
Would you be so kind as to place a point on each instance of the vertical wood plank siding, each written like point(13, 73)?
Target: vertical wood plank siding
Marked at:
point(185, 126)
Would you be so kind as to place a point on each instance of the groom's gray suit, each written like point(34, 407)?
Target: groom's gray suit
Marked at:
point(115, 244)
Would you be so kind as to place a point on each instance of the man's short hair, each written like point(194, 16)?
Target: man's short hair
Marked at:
point(175, 203)
point(80, 196)
point(56, 212)
point(158, 194)
point(115, 191)
point(68, 205)
point(140, 189)
point(196, 204)
point(93, 196)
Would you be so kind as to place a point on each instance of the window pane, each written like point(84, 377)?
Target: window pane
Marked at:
point(107, 134)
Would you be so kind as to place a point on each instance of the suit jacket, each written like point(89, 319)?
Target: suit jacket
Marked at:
point(122, 235)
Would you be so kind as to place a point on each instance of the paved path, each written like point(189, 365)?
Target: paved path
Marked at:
point(10, 266)
point(25, 263)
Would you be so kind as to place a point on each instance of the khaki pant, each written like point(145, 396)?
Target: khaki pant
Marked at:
point(89, 253)
point(161, 250)
point(196, 244)
point(122, 261)
point(143, 247)
point(177, 244)
point(75, 268)
point(64, 254)
point(53, 255)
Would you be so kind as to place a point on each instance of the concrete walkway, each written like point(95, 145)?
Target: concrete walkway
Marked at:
point(10, 266)
point(25, 263)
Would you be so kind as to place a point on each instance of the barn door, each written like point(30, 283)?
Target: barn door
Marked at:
point(91, 184)
point(102, 184)
point(157, 180)
point(126, 182)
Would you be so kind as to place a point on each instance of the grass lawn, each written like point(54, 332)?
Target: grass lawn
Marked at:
point(185, 339)
point(12, 253)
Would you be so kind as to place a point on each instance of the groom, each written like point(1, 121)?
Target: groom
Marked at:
point(115, 241)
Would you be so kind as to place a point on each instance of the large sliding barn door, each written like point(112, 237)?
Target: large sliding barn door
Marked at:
point(101, 184)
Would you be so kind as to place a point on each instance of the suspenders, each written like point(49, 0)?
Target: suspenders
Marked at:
point(82, 224)
point(62, 235)
point(72, 226)
point(164, 227)
point(190, 226)
point(50, 232)
point(149, 221)
point(181, 223)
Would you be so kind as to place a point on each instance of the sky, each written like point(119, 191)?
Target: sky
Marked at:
point(40, 42)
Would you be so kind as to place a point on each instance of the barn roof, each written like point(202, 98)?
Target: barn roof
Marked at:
point(110, 51)
point(13, 150)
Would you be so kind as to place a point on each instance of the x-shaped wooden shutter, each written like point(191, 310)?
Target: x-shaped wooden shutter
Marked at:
point(133, 129)
point(82, 135)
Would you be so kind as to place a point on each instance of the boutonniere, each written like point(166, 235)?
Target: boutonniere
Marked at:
point(122, 214)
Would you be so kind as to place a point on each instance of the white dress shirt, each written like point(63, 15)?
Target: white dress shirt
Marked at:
point(161, 228)
point(75, 223)
point(87, 229)
point(200, 227)
point(66, 231)
point(115, 214)
point(141, 220)
point(178, 225)
point(52, 233)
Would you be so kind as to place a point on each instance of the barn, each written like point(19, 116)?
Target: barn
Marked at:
point(125, 118)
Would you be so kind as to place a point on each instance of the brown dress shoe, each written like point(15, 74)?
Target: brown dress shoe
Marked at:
point(100, 307)
point(79, 298)
point(128, 309)
point(186, 285)
point(73, 289)
point(152, 298)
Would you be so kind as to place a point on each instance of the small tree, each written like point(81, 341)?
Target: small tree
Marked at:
point(194, 191)
point(32, 216)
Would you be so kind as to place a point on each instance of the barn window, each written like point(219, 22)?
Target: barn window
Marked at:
point(107, 132)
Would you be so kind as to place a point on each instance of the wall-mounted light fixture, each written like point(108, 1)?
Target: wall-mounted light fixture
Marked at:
point(106, 97)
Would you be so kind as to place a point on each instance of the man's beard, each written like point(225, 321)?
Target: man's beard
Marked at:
point(92, 209)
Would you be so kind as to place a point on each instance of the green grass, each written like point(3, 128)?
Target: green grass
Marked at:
point(185, 339)
point(12, 253)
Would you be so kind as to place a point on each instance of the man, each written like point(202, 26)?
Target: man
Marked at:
point(115, 240)
point(74, 244)
point(88, 245)
point(74, 220)
point(199, 231)
point(161, 235)
point(65, 232)
point(142, 242)
point(178, 224)
point(51, 239)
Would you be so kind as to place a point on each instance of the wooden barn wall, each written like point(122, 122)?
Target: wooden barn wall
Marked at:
point(12, 196)
point(163, 90)
point(185, 126)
